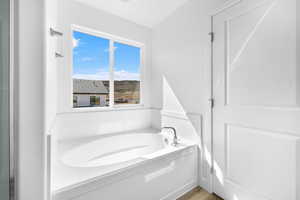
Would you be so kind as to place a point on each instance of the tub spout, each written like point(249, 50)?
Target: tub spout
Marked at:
point(175, 138)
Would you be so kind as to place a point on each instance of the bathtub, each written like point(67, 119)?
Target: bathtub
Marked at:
point(139, 165)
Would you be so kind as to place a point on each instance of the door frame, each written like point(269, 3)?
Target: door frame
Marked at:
point(12, 135)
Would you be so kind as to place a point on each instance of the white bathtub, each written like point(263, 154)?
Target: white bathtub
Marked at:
point(114, 149)
point(93, 167)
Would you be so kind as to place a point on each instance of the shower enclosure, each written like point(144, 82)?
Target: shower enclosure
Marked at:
point(6, 175)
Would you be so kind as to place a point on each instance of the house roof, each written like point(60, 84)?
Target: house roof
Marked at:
point(81, 86)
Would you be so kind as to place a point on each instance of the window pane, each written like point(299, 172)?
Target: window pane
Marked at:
point(127, 74)
point(90, 71)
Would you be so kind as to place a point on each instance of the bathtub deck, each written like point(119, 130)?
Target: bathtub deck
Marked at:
point(199, 194)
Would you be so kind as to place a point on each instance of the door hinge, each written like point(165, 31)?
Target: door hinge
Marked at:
point(212, 36)
point(212, 102)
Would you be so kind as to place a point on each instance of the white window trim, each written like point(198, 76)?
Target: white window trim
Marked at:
point(112, 39)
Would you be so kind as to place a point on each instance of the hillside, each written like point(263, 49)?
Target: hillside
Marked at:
point(126, 91)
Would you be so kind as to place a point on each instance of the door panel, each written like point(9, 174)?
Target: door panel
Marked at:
point(258, 52)
point(257, 114)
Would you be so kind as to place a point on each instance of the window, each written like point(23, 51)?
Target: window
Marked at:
point(90, 69)
point(106, 72)
point(126, 74)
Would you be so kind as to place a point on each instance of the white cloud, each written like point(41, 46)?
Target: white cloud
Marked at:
point(75, 42)
point(124, 75)
point(87, 59)
point(91, 76)
point(104, 75)
point(107, 49)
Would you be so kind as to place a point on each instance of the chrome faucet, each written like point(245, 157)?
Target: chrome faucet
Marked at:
point(175, 139)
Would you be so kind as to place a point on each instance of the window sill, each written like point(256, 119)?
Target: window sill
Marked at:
point(107, 109)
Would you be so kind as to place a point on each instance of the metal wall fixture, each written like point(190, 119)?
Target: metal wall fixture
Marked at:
point(58, 55)
point(54, 33)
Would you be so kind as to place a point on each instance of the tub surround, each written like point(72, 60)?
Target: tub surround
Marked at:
point(82, 124)
point(79, 166)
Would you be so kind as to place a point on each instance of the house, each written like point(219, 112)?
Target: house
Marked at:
point(87, 93)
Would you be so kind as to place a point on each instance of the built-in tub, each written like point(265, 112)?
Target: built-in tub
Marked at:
point(129, 166)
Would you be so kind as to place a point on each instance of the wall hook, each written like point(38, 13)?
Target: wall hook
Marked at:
point(54, 32)
point(58, 55)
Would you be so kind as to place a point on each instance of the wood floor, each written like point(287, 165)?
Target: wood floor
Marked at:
point(199, 194)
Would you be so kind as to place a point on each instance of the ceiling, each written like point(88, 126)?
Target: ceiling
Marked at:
point(144, 12)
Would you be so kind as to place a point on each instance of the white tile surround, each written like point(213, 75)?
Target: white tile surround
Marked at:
point(86, 124)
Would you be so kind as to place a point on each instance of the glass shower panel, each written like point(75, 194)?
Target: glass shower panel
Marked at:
point(4, 98)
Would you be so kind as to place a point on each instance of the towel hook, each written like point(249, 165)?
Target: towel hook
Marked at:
point(53, 32)
point(58, 55)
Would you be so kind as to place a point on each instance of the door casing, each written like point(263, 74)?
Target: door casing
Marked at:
point(12, 91)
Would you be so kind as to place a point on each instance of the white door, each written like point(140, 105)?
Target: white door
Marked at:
point(256, 83)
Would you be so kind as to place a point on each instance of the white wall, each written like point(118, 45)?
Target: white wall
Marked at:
point(181, 73)
point(298, 85)
point(298, 49)
point(51, 19)
point(181, 53)
point(29, 103)
point(71, 13)
point(50, 80)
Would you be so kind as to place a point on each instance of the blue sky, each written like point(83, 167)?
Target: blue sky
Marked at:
point(91, 58)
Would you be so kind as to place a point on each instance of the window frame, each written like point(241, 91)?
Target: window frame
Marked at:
point(112, 39)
